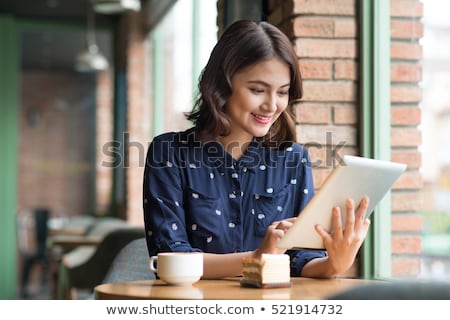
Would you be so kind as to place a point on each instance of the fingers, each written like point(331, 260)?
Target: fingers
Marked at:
point(274, 233)
point(344, 240)
point(361, 222)
point(326, 237)
point(288, 220)
point(283, 224)
point(362, 209)
point(291, 219)
point(350, 217)
point(355, 218)
point(337, 222)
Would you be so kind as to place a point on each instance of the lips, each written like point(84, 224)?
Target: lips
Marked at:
point(261, 119)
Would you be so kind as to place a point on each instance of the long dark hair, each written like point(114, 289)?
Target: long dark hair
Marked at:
point(244, 43)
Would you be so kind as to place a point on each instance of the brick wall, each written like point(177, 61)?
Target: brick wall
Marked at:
point(104, 134)
point(139, 119)
point(325, 36)
point(406, 94)
point(55, 169)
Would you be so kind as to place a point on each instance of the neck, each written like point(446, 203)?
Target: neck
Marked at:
point(235, 147)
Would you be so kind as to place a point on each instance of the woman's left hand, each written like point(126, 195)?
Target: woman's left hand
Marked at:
point(343, 243)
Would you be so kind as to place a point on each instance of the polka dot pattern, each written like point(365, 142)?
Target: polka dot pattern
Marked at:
point(225, 197)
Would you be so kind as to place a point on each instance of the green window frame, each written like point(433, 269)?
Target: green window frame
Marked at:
point(9, 65)
point(375, 124)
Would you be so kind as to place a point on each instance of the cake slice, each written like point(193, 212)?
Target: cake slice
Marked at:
point(269, 271)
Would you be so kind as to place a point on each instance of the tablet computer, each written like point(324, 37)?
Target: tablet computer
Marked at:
point(354, 178)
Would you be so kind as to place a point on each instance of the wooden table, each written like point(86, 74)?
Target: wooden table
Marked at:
point(76, 226)
point(226, 289)
point(72, 241)
point(61, 244)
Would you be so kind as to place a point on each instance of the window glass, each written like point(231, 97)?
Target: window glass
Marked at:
point(435, 148)
point(184, 45)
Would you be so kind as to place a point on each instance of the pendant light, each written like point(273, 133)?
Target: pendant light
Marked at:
point(91, 59)
point(116, 6)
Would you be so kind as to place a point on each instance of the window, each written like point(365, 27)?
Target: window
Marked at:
point(435, 147)
point(181, 45)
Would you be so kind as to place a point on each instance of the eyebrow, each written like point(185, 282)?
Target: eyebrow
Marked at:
point(266, 84)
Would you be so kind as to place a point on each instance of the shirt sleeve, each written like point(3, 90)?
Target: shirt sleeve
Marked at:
point(305, 192)
point(164, 216)
point(301, 257)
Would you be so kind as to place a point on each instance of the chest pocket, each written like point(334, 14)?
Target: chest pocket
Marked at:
point(270, 206)
point(205, 218)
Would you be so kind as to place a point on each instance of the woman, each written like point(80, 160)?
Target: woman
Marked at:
point(232, 185)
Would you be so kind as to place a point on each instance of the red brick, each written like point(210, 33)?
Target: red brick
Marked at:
point(405, 94)
point(412, 158)
point(406, 201)
point(407, 222)
point(323, 157)
point(344, 115)
point(406, 8)
point(345, 70)
point(345, 28)
point(406, 244)
point(406, 72)
point(139, 112)
point(406, 29)
point(313, 27)
point(314, 113)
point(405, 115)
point(317, 154)
point(324, 27)
point(329, 91)
point(325, 48)
point(409, 180)
point(343, 135)
point(406, 51)
point(315, 69)
point(43, 160)
point(405, 137)
point(322, 7)
point(402, 266)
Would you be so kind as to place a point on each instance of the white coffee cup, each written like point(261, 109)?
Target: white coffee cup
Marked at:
point(178, 268)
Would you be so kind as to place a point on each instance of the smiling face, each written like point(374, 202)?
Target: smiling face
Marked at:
point(260, 93)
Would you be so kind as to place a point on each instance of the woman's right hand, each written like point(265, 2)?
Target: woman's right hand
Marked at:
point(273, 235)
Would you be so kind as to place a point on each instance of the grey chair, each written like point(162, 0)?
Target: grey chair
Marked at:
point(87, 272)
point(131, 263)
point(397, 290)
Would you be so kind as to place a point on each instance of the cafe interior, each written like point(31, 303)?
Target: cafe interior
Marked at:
point(86, 84)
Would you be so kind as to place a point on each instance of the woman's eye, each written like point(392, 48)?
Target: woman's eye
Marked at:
point(254, 90)
point(283, 93)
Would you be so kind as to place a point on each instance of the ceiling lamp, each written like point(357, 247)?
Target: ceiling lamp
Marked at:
point(116, 6)
point(91, 59)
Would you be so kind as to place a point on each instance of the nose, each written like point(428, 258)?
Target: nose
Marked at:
point(271, 103)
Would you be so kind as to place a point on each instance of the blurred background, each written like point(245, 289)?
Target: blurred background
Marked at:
point(435, 147)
